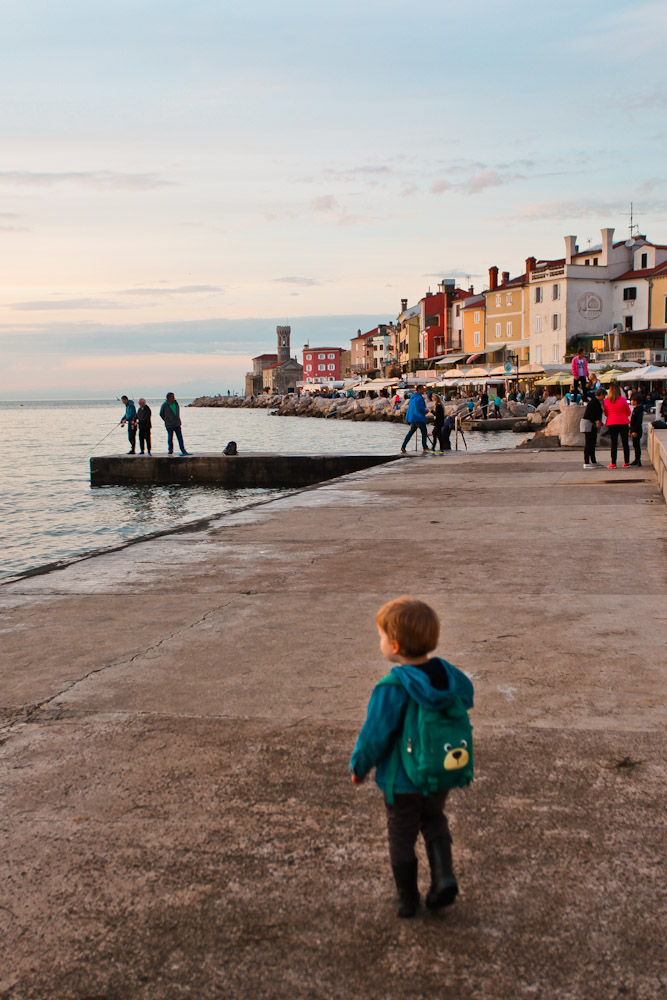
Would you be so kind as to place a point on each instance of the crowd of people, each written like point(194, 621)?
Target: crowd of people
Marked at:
point(138, 421)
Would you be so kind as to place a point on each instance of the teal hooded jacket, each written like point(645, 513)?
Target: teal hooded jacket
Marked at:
point(385, 717)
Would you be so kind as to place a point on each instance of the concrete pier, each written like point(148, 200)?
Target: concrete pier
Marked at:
point(254, 470)
point(178, 716)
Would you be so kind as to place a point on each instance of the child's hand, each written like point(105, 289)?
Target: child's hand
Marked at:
point(356, 780)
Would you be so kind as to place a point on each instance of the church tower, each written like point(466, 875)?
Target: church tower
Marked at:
point(283, 342)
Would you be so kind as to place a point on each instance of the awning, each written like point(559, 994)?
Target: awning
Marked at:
point(449, 359)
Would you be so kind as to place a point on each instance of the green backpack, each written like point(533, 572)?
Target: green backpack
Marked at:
point(434, 747)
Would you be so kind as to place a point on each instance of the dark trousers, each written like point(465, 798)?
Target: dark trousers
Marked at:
point(441, 437)
point(132, 433)
point(144, 438)
point(590, 437)
point(637, 445)
point(411, 815)
point(583, 382)
point(485, 411)
point(496, 410)
point(413, 430)
point(170, 439)
point(614, 431)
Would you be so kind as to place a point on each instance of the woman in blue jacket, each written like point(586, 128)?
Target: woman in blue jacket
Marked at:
point(416, 417)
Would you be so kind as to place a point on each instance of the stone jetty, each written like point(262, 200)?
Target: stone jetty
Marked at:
point(178, 715)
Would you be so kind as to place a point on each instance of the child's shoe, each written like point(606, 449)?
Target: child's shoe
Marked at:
point(405, 876)
point(444, 887)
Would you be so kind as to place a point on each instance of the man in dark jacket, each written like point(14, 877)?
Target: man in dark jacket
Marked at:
point(637, 426)
point(144, 425)
point(130, 418)
point(171, 414)
point(591, 421)
point(416, 417)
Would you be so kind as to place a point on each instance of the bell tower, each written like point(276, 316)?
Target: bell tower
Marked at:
point(283, 333)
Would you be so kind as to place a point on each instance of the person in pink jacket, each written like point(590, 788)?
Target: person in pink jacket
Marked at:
point(617, 412)
point(580, 373)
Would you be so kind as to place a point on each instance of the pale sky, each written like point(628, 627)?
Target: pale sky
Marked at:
point(179, 177)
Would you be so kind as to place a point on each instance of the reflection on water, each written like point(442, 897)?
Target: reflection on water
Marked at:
point(49, 512)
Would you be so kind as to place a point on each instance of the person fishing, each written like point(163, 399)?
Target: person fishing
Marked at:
point(130, 418)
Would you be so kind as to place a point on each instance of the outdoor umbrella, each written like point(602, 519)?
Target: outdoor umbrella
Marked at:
point(532, 368)
point(612, 375)
point(558, 378)
point(645, 374)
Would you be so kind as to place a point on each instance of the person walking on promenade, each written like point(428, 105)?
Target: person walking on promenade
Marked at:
point(439, 423)
point(617, 412)
point(408, 630)
point(580, 373)
point(170, 412)
point(144, 425)
point(130, 418)
point(591, 422)
point(484, 403)
point(416, 417)
point(637, 426)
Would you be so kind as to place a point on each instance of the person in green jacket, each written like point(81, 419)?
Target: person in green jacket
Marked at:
point(408, 630)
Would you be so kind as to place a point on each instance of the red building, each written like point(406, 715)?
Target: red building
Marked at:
point(323, 364)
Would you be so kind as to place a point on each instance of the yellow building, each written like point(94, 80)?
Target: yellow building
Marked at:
point(408, 336)
point(658, 301)
point(507, 312)
point(473, 324)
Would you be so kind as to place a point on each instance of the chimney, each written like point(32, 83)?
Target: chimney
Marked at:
point(471, 289)
point(506, 277)
point(530, 266)
point(404, 305)
point(493, 278)
point(607, 241)
point(570, 248)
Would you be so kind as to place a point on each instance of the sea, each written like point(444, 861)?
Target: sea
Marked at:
point(49, 512)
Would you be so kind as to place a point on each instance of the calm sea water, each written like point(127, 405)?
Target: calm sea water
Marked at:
point(48, 510)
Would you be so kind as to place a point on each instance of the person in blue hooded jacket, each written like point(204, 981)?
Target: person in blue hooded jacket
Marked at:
point(408, 630)
point(416, 417)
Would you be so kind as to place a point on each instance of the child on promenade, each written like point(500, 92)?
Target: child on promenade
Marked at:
point(408, 630)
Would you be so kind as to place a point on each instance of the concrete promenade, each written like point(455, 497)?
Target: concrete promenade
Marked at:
point(177, 718)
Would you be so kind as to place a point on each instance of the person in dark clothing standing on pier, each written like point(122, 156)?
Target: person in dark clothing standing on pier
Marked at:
point(171, 414)
point(484, 403)
point(144, 425)
point(130, 418)
point(590, 423)
point(637, 426)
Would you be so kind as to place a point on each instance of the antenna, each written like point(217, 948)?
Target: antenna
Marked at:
point(634, 225)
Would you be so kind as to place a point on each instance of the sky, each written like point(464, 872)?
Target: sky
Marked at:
point(177, 179)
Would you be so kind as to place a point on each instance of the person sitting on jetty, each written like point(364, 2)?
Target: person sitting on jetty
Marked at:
point(130, 418)
point(170, 412)
point(408, 630)
point(416, 417)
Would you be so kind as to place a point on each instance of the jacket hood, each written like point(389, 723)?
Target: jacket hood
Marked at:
point(417, 685)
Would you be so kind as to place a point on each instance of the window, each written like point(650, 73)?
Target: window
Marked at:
point(320, 357)
point(538, 294)
point(476, 335)
point(458, 310)
point(476, 317)
point(321, 368)
point(644, 260)
point(666, 309)
point(556, 354)
point(309, 368)
point(508, 299)
point(331, 356)
point(595, 261)
point(498, 330)
point(555, 292)
point(538, 354)
point(555, 321)
point(628, 322)
point(538, 324)
point(499, 300)
point(332, 368)
point(587, 262)
point(629, 293)
point(508, 329)
point(309, 357)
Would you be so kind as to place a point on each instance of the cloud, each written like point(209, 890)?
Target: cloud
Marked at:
point(408, 190)
point(58, 304)
point(181, 290)
point(451, 272)
point(641, 102)
point(293, 280)
point(489, 178)
point(325, 203)
point(100, 180)
point(437, 187)
point(354, 172)
point(651, 184)
point(626, 34)
point(575, 209)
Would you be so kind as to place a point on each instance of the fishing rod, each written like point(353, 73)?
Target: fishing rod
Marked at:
point(104, 438)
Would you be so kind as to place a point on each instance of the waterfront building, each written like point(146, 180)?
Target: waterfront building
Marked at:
point(639, 309)
point(506, 318)
point(571, 298)
point(325, 364)
point(408, 327)
point(276, 373)
point(361, 352)
point(474, 311)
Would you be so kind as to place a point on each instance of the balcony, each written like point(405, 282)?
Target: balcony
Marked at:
point(642, 355)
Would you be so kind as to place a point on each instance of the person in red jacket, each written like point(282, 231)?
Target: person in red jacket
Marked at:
point(617, 412)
